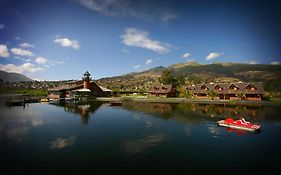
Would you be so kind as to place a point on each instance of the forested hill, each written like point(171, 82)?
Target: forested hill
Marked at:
point(13, 77)
point(194, 73)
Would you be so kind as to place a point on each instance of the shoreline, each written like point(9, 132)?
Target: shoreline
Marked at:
point(184, 100)
point(165, 100)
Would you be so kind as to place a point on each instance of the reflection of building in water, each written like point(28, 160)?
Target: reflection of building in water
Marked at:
point(234, 111)
point(151, 108)
point(83, 109)
point(196, 113)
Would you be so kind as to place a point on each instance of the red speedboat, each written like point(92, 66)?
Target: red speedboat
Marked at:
point(241, 124)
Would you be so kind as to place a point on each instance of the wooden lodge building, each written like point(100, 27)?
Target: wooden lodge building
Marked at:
point(229, 91)
point(84, 87)
point(162, 91)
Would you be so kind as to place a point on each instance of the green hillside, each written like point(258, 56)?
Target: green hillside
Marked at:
point(194, 72)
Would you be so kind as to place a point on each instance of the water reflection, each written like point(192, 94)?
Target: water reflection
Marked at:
point(140, 145)
point(194, 113)
point(82, 108)
point(60, 143)
point(17, 134)
point(36, 122)
point(206, 114)
point(136, 134)
point(238, 132)
point(214, 130)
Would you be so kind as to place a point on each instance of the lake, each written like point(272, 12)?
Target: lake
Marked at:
point(98, 136)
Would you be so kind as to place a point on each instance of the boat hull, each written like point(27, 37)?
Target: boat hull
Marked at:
point(222, 123)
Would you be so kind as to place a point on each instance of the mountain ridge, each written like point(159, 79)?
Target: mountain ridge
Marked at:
point(13, 77)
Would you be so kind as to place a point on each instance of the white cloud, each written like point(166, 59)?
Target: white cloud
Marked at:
point(55, 62)
point(22, 59)
point(140, 38)
point(136, 66)
point(4, 52)
point(275, 63)
point(186, 55)
point(17, 134)
point(26, 45)
point(21, 52)
point(67, 42)
point(253, 62)
point(190, 60)
point(149, 61)
point(37, 122)
point(40, 60)
point(60, 143)
point(213, 55)
point(2, 26)
point(132, 9)
point(26, 67)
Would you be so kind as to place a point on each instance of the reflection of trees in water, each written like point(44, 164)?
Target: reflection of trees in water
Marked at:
point(163, 110)
point(192, 112)
point(82, 108)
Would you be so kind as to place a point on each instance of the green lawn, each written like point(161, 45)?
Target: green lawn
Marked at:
point(31, 92)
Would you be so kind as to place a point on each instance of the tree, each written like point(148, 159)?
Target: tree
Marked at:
point(212, 94)
point(179, 80)
point(121, 86)
point(194, 79)
point(141, 91)
point(166, 77)
point(186, 93)
point(115, 92)
point(241, 95)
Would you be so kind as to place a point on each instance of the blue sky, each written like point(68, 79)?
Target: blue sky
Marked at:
point(52, 40)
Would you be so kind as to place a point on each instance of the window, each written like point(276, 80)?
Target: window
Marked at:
point(204, 88)
point(251, 88)
point(218, 88)
point(233, 87)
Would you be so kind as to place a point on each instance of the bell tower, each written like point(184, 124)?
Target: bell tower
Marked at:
point(86, 80)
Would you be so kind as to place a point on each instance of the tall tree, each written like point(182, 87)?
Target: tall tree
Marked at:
point(185, 93)
point(241, 95)
point(167, 77)
point(179, 80)
point(212, 94)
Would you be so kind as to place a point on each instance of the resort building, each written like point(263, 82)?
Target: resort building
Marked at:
point(231, 91)
point(162, 91)
point(85, 87)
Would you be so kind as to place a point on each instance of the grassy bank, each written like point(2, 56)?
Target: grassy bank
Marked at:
point(30, 92)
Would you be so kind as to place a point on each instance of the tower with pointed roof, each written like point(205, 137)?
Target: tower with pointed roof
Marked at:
point(86, 80)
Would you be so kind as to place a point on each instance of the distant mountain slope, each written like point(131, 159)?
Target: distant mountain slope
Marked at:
point(195, 72)
point(13, 77)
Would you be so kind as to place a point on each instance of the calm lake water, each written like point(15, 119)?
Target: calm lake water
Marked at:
point(91, 136)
